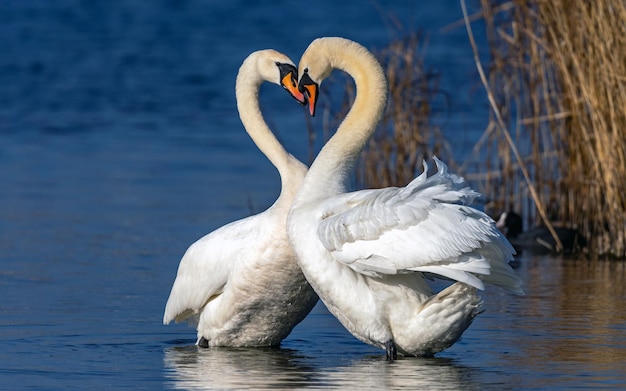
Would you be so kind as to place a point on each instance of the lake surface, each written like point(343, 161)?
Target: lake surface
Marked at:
point(120, 145)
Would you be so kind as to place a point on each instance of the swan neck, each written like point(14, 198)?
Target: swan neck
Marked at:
point(247, 94)
point(338, 157)
point(247, 89)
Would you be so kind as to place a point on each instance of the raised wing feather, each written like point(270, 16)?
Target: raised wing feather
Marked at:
point(426, 226)
point(205, 268)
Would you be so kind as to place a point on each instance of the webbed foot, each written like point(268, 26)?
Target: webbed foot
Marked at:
point(203, 342)
point(390, 348)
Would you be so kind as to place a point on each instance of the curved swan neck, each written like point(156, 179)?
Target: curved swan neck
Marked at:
point(247, 89)
point(334, 162)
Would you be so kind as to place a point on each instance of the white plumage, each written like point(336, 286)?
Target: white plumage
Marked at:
point(241, 283)
point(425, 226)
point(366, 252)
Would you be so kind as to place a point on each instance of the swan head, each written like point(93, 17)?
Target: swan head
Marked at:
point(315, 66)
point(277, 68)
point(309, 90)
point(289, 80)
point(328, 53)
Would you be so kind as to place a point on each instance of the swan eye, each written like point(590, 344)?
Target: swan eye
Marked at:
point(306, 70)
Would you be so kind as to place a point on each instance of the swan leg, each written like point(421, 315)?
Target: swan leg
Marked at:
point(203, 343)
point(390, 348)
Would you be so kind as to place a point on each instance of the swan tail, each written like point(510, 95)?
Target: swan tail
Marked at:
point(441, 320)
point(503, 276)
point(499, 253)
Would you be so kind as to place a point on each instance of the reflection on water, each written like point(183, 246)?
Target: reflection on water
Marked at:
point(221, 368)
point(578, 306)
point(407, 373)
point(568, 331)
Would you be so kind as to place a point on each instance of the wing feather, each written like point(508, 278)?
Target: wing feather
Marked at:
point(205, 268)
point(427, 226)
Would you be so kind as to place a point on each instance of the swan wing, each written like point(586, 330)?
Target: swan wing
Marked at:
point(426, 226)
point(205, 268)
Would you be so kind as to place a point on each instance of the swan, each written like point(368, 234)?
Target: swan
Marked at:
point(366, 252)
point(241, 282)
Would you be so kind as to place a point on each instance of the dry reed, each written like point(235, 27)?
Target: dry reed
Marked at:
point(406, 135)
point(558, 72)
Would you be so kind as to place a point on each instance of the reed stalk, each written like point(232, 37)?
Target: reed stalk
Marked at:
point(558, 72)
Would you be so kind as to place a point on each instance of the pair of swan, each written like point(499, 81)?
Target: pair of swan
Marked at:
point(365, 253)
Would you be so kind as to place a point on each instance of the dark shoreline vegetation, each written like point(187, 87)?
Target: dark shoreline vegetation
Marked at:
point(554, 149)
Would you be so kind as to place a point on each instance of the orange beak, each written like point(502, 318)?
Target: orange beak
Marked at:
point(311, 92)
point(289, 81)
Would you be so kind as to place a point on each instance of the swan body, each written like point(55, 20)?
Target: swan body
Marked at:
point(366, 252)
point(241, 282)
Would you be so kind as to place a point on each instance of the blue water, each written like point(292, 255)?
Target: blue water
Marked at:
point(120, 145)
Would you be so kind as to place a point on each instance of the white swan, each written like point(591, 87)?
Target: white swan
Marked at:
point(241, 283)
point(365, 253)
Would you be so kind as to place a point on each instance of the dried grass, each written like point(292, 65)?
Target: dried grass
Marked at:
point(406, 136)
point(558, 69)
